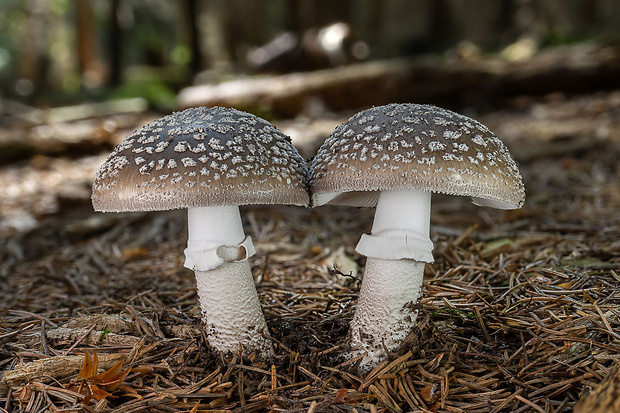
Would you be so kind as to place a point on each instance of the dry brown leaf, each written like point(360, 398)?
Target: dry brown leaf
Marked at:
point(429, 394)
point(135, 253)
point(340, 395)
point(566, 285)
point(89, 367)
point(102, 385)
point(430, 397)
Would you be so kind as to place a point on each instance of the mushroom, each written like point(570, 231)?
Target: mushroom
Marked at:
point(210, 161)
point(393, 157)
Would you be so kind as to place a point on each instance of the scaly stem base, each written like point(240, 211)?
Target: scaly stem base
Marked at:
point(231, 310)
point(386, 311)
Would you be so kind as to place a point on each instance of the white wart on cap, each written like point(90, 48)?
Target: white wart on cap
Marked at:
point(201, 157)
point(410, 146)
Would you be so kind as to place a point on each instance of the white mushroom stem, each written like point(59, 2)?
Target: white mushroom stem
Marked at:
point(385, 312)
point(218, 252)
point(397, 251)
point(401, 227)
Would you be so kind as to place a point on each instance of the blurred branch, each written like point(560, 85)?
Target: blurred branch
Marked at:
point(71, 113)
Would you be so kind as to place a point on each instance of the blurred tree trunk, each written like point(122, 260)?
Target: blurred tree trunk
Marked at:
point(376, 22)
point(586, 14)
point(291, 17)
point(89, 64)
point(190, 16)
point(343, 10)
point(212, 27)
point(306, 15)
point(116, 45)
point(244, 25)
point(505, 27)
point(331, 11)
point(317, 13)
point(33, 61)
point(441, 24)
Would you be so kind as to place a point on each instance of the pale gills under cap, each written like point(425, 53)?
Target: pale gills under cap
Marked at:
point(202, 157)
point(409, 146)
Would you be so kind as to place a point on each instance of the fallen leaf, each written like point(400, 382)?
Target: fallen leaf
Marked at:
point(566, 285)
point(429, 394)
point(498, 246)
point(102, 385)
point(89, 366)
point(315, 250)
point(340, 395)
point(135, 253)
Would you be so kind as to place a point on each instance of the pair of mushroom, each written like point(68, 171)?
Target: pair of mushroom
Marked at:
point(210, 160)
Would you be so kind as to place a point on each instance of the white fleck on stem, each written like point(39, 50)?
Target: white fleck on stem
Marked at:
point(397, 251)
point(217, 250)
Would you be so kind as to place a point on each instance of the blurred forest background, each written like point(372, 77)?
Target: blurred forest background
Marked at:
point(56, 52)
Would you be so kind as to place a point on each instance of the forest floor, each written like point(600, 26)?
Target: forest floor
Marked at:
point(519, 311)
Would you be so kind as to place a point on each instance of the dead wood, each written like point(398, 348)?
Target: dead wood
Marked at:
point(437, 79)
point(60, 337)
point(56, 367)
point(76, 130)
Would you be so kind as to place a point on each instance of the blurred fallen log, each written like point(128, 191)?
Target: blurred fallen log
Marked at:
point(574, 69)
point(560, 127)
point(76, 130)
point(35, 116)
point(340, 88)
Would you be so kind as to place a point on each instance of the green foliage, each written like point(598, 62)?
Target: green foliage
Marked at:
point(103, 335)
point(154, 90)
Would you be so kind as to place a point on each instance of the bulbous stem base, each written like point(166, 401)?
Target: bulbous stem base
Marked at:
point(231, 310)
point(386, 312)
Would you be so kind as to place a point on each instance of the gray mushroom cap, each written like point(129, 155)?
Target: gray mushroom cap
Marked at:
point(410, 146)
point(201, 157)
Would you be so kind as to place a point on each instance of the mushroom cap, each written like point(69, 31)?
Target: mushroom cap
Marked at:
point(201, 157)
point(410, 146)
